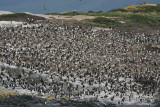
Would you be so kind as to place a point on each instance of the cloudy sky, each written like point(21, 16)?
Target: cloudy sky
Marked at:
point(37, 6)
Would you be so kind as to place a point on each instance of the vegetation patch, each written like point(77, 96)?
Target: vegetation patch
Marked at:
point(19, 17)
point(5, 95)
point(49, 97)
point(102, 21)
point(133, 6)
point(146, 9)
point(13, 15)
point(143, 14)
point(146, 19)
point(73, 13)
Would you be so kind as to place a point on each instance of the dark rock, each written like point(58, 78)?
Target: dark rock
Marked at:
point(29, 101)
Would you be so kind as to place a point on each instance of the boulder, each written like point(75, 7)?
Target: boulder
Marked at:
point(14, 72)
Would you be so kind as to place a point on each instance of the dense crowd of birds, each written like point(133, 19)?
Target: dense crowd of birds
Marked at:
point(111, 64)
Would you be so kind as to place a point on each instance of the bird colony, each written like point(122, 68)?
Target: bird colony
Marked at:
point(78, 62)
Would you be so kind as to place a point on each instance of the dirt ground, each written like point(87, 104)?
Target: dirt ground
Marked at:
point(140, 29)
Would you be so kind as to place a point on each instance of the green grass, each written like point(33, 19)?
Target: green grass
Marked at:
point(73, 13)
point(141, 9)
point(116, 12)
point(146, 9)
point(19, 16)
point(146, 19)
point(13, 15)
point(143, 15)
point(102, 21)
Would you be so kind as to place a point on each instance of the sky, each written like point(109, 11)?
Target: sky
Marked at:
point(37, 6)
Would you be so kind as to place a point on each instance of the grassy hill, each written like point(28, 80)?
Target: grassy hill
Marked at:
point(143, 14)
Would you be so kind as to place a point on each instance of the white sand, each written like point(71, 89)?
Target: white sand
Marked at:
point(5, 12)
